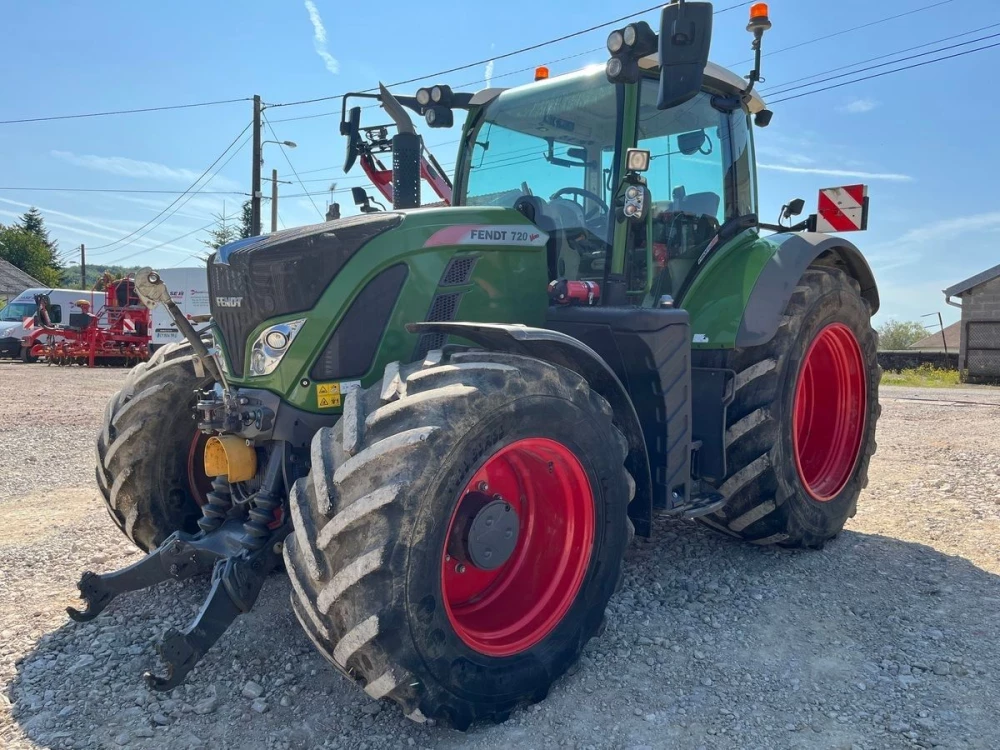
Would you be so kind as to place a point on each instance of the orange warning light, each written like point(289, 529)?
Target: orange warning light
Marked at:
point(541, 73)
point(758, 10)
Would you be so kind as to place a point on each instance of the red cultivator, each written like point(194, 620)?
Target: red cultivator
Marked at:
point(117, 334)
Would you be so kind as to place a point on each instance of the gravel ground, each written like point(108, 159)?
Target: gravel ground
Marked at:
point(885, 639)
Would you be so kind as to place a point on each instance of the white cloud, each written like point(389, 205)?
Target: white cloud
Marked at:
point(890, 177)
point(319, 38)
point(859, 106)
point(786, 155)
point(488, 76)
point(125, 167)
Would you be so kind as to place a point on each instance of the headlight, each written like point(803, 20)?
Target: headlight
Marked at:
point(437, 94)
point(423, 97)
point(271, 345)
point(615, 42)
point(629, 35)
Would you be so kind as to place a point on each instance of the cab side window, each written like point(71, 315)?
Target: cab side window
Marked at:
point(55, 314)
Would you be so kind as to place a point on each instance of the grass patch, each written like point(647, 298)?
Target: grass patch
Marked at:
point(924, 376)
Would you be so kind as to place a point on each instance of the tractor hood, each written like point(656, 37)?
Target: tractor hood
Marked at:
point(286, 272)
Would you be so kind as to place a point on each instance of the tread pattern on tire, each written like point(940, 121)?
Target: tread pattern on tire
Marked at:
point(348, 550)
point(758, 506)
point(131, 431)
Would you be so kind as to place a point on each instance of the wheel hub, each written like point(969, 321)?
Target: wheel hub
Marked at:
point(485, 531)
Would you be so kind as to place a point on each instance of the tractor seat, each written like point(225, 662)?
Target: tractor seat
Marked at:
point(79, 321)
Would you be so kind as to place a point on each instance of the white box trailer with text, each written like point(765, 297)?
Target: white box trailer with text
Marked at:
point(189, 290)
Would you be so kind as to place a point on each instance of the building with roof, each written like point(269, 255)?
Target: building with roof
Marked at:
point(979, 299)
point(949, 340)
point(13, 281)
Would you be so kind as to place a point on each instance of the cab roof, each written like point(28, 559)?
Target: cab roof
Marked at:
point(722, 77)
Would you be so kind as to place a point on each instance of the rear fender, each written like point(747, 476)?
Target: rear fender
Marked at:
point(566, 351)
point(780, 275)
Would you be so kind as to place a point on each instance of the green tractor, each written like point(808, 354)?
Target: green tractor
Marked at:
point(447, 423)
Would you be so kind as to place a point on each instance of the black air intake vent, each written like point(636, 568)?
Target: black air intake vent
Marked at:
point(459, 271)
point(443, 308)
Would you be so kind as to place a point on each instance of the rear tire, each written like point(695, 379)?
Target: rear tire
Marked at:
point(770, 499)
point(144, 448)
point(26, 356)
point(372, 585)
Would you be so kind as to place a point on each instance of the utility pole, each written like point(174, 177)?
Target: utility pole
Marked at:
point(255, 192)
point(944, 341)
point(83, 266)
point(274, 200)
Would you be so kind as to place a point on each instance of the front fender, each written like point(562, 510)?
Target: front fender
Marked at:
point(778, 278)
point(568, 352)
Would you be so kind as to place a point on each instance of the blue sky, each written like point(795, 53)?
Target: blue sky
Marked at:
point(918, 138)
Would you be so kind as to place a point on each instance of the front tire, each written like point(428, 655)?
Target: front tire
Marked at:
point(383, 581)
point(149, 450)
point(801, 429)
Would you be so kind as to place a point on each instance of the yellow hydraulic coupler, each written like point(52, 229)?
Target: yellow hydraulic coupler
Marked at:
point(230, 456)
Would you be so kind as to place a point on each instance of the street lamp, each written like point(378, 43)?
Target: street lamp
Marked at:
point(290, 144)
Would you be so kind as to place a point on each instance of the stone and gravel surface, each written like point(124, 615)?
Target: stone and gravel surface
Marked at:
point(887, 638)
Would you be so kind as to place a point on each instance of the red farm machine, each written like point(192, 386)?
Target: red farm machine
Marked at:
point(116, 333)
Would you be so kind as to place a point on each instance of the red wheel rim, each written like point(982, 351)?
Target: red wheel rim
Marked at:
point(199, 482)
point(831, 399)
point(508, 610)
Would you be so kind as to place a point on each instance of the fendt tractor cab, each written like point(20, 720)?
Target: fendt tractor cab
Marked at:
point(449, 421)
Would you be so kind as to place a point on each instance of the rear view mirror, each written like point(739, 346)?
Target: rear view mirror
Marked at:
point(793, 208)
point(685, 39)
point(359, 195)
point(690, 143)
point(352, 129)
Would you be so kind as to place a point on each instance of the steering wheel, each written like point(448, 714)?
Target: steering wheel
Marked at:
point(584, 193)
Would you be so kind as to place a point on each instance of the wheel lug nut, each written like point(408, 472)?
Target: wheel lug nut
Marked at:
point(460, 568)
point(483, 486)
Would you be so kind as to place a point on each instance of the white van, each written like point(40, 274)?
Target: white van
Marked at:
point(22, 307)
point(188, 289)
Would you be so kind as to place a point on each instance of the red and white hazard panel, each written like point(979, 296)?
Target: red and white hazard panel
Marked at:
point(843, 209)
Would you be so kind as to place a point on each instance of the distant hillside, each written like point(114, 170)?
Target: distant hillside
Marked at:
point(71, 274)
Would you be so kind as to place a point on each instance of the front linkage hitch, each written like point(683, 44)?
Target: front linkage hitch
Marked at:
point(239, 553)
point(239, 544)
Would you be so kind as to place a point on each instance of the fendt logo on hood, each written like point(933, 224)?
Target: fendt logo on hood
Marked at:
point(228, 301)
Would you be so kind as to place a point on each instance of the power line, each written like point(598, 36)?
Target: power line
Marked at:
point(185, 201)
point(162, 244)
point(886, 72)
point(786, 87)
point(513, 53)
point(123, 190)
point(772, 90)
point(291, 166)
point(177, 199)
point(122, 111)
point(771, 53)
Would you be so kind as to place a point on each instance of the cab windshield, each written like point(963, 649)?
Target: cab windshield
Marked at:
point(549, 148)
point(552, 144)
point(17, 311)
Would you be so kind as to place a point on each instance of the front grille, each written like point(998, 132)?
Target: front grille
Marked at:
point(286, 272)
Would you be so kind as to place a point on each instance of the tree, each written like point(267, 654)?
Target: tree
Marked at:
point(246, 220)
point(33, 222)
point(27, 251)
point(223, 232)
point(899, 334)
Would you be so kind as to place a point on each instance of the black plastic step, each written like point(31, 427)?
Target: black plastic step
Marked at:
point(700, 505)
